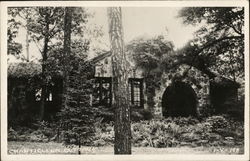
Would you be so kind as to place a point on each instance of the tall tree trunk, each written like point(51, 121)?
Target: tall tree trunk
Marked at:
point(27, 43)
point(119, 83)
point(44, 59)
point(67, 41)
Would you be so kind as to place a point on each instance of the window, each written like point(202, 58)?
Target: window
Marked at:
point(38, 95)
point(136, 92)
point(49, 97)
point(102, 95)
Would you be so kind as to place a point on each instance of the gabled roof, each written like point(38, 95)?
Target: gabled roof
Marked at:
point(100, 57)
point(31, 69)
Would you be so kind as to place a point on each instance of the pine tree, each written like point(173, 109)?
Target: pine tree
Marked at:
point(77, 117)
point(120, 83)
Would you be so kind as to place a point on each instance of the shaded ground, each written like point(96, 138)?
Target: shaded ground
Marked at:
point(58, 148)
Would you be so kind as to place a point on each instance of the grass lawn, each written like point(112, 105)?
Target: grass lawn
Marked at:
point(58, 148)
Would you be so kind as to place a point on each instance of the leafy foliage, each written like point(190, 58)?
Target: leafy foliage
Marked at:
point(26, 70)
point(56, 21)
point(217, 122)
point(104, 133)
point(140, 114)
point(33, 20)
point(148, 55)
point(169, 132)
point(218, 46)
point(176, 132)
point(13, 47)
point(137, 114)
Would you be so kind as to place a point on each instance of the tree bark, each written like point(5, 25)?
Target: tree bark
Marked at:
point(27, 44)
point(44, 59)
point(120, 86)
point(67, 50)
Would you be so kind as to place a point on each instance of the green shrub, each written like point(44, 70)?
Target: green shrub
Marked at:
point(46, 128)
point(27, 134)
point(147, 115)
point(12, 134)
point(206, 110)
point(137, 114)
point(161, 133)
point(173, 132)
point(155, 133)
point(217, 122)
point(38, 136)
point(185, 121)
point(104, 133)
point(107, 113)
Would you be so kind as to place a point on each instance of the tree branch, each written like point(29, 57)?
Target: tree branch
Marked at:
point(197, 53)
point(217, 41)
point(37, 45)
point(233, 27)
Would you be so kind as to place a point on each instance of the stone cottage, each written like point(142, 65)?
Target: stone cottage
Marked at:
point(24, 92)
point(194, 94)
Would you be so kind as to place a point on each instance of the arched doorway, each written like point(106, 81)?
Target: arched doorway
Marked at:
point(179, 99)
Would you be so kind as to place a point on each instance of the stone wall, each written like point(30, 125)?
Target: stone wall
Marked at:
point(198, 81)
point(103, 68)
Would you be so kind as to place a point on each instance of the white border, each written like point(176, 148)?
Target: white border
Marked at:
point(3, 46)
point(173, 3)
